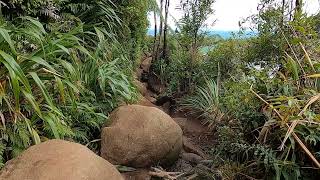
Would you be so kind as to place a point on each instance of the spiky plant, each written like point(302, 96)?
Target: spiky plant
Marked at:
point(205, 103)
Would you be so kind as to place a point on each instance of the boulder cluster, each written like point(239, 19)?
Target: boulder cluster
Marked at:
point(138, 136)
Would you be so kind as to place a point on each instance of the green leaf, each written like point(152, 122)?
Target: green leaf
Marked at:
point(50, 120)
point(10, 63)
point(36, 23)
point(4, 33)
point(68, 66)
point(63, 48)
point(41, 61)
point(61, 89)
point(84, 50)
point(99, 34)
point(15, 87)
point(294, 68)
point(35, 137)
point(42, 88)
point(33, 102)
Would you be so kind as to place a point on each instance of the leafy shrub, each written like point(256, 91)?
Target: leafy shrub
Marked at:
point(226, 57)
point(205, 104)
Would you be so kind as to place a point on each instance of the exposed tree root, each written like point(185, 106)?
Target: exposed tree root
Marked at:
point(159, 172)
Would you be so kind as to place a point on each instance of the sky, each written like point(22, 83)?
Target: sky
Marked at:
point(228, 13)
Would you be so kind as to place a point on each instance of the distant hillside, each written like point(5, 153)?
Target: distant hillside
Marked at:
point(222, 34)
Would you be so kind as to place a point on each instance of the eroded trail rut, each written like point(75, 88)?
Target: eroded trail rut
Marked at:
point(193, 162)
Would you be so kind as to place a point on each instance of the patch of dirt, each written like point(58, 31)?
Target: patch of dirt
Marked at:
point(194, 131)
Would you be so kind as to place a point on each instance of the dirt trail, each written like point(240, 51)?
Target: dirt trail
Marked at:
point(197, 139)
point(192, 127)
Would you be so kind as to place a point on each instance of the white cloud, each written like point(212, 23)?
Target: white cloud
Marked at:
point(228, 13)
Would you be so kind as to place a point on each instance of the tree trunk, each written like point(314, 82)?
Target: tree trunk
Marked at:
point(298, 8)
point(283, 13)
point(165, 31)
point(160, 31)
point(155, 36)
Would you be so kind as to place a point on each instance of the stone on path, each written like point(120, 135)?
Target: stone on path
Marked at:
point(141, 136)
point(59, 160)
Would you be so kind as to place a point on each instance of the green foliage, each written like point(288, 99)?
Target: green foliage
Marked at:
point(123, 21)
point(205, 104)
point(226, 56)
point(65, 65)
point(277, 69)
point(195, 14)
point(241, 103)
point(182, 69)
point(135, 25)
point(53, 85)
point(280, 169)
point(268, 89)
point(182, 75)
point(15, 8)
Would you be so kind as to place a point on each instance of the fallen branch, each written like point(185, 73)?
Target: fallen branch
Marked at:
point(93, 141)
point(159, 172)
point(192, 176)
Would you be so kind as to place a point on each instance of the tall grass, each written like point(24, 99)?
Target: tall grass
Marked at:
point(55, 85)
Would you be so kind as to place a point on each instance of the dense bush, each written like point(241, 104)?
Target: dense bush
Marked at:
point(64, 68)
point(54, 86)
point(278, 79)
point(268, 93)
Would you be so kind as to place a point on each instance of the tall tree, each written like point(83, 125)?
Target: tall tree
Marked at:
point(165, 31)
point(155, 9)
point(298, 8)
point(160, 30)
point(196, 13)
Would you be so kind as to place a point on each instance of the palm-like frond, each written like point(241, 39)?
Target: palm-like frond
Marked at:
point(205, 103)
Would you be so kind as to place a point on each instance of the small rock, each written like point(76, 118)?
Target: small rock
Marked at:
point(145, 102)
point(166, 107)
point(155, 84)
point(192, 158)
point(205, 173)
point(137, 75)
point(189, 147)
point(181, 166)
point(151, 99)
point(145, 64)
